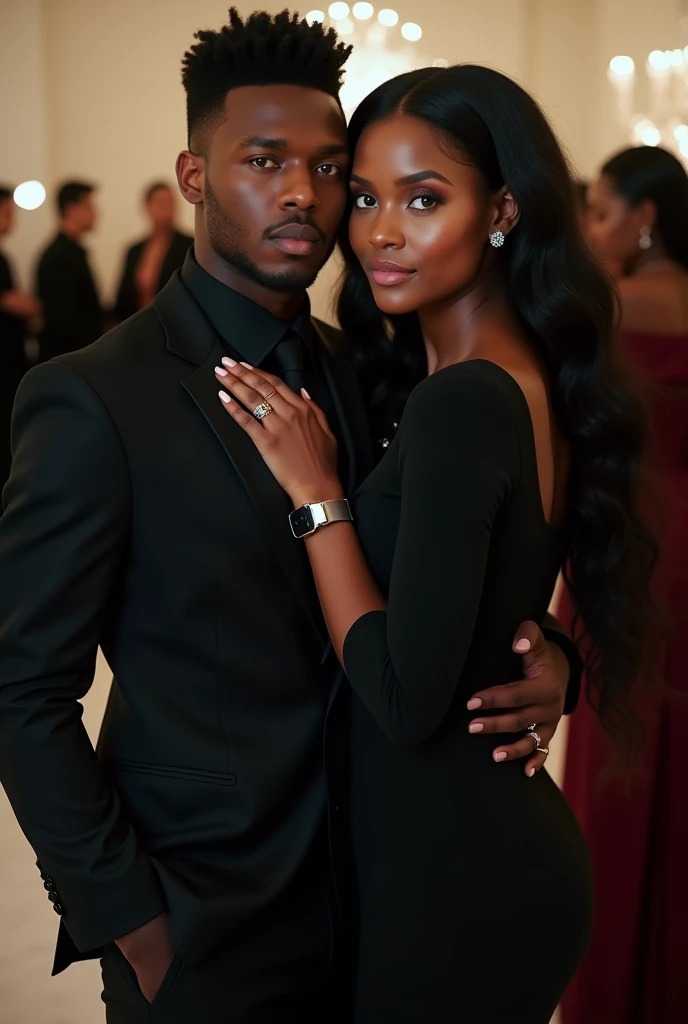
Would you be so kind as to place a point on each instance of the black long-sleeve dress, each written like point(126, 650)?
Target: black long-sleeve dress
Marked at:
point(474, 881)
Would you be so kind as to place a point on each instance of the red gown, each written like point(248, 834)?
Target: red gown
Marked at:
point(635, 970)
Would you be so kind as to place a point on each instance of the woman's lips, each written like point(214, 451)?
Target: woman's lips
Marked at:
point(389, 274)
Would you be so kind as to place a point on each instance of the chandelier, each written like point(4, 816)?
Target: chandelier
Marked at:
point(664, 121)
point(382, 47)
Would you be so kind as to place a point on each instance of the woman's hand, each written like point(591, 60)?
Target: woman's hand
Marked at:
point(294, 438)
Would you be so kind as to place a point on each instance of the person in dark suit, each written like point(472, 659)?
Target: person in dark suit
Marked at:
point(16, 309)
point(72, 311)
point(150, 263)
point(194, 850)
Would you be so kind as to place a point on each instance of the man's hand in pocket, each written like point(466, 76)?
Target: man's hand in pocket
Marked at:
point(149, 950)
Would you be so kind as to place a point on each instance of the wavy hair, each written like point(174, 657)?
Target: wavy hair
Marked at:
point(568, 307)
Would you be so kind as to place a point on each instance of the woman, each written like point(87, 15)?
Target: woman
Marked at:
point(637, 830)
point(149, 264)
point(519, 446)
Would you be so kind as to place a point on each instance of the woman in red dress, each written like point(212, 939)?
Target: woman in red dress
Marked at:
point(637, 829)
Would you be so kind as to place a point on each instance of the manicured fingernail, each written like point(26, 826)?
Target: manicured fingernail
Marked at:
point(501, 756)
point(522, 646)
point(530, 772)
point(306, 395)
point(220, 372)
point(247, 365)
point(228, 362)
point(225, 397)
point(476, 727)
point(474, 703)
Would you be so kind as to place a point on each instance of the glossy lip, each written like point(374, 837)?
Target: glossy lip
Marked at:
point(388, 274)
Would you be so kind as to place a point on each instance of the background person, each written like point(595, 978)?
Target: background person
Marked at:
point(72, 311)
point(637, 830)
point(150, 263)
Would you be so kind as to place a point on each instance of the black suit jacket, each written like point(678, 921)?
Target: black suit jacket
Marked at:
point(140, 517)
point(127, 299)
point(72, 312)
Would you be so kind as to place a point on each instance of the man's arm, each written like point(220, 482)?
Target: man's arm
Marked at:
point(62, 539)
point(61, 311)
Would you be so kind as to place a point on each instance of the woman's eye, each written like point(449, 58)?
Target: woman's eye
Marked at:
point(329, 170)
point(423, 203)
point(365, 202)
point(263, 162)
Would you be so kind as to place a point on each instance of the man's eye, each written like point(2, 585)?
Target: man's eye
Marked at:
point(329, 170)
point(365, 202)
point(263, 162)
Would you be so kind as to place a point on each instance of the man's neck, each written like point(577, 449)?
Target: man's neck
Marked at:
point(283, 305)
point(70, 231)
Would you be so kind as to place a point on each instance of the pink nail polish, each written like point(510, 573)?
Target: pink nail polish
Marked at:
point(228, 362)
point(224, 397)
point(530, 772)
point(501, 756)
point(476, 727)
point(247, 365)
point(522, 646)
point(220, 371)
point(474, 703)
point(306, 395)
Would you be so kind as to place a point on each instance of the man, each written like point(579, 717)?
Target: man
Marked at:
point(73, 316)
point(150, 263)
point(193, 851)
point(16, 309)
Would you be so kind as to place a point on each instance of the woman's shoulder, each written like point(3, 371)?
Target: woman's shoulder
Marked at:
point(473, 403)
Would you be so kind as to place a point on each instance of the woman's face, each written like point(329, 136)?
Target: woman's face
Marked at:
point(612, 224)
point(421, 221)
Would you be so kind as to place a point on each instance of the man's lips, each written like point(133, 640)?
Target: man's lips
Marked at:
point(387, 274)
point(296, 239)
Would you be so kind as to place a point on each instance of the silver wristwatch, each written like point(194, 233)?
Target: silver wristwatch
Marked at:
point(308, 518)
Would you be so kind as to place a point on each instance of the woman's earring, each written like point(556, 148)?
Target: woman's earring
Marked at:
point(497, 239)
point(645, 240)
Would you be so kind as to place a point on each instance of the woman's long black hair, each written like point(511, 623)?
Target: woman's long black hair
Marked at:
point(650, 172)
point(567, 305)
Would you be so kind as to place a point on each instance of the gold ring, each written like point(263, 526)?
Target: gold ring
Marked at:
point(265, 397)
point(543, 750)
point(262, 410)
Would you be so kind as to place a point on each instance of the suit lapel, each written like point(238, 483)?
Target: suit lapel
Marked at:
point(190, 335)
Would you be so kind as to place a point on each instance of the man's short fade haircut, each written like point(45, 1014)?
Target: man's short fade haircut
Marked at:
point(72, 192)
point(262, 50)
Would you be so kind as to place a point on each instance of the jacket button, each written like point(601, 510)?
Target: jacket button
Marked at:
point(47, 885)
point(57, 907)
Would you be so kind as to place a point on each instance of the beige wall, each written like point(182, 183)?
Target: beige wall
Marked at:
point(96, 90)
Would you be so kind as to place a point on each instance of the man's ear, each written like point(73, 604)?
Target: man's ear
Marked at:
point(190, 169)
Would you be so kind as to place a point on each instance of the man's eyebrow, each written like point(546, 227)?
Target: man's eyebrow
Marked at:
point(334, 149)
point(260, 142)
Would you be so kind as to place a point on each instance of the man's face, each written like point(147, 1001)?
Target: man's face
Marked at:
point(84, 213)
point(6, 216)
point(273, 183)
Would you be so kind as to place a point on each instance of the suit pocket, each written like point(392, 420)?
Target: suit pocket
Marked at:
point(171, 772)
point(177, 810)
point(172, 975)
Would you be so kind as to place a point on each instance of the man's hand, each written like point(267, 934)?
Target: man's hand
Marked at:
point(20, 304)
point(538, 699)
point(149, 950)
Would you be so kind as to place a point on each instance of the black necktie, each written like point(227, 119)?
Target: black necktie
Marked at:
point(289, 358)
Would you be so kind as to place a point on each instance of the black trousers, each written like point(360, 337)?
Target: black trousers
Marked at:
point(277, 970)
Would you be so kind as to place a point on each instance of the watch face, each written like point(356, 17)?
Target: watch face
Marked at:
point(302, 522)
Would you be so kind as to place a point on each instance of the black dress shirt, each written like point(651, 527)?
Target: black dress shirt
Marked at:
point(72, 311)
point(256, 333)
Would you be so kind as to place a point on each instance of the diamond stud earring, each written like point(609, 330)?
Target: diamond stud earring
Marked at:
point(497, 239)
point(645, 240)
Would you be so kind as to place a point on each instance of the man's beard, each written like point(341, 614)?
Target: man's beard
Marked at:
point(226, 236)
